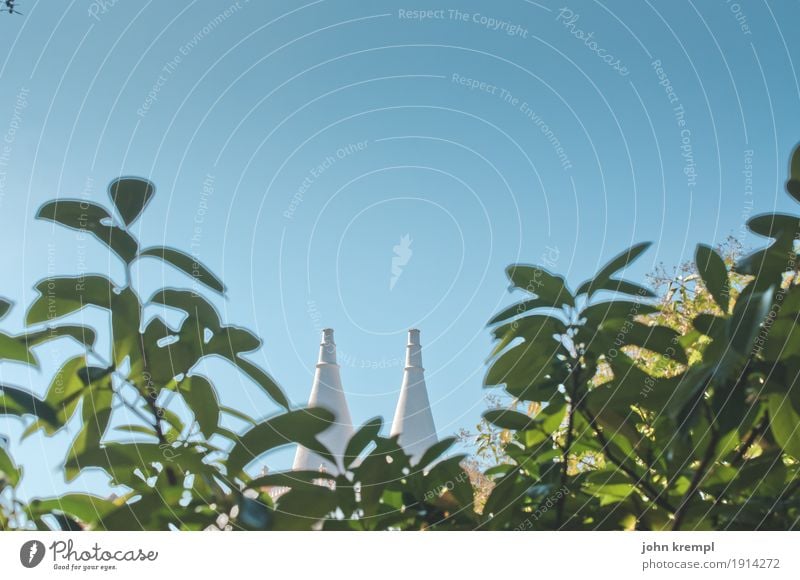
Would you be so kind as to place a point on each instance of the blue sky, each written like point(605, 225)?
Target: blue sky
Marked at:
point(488, 134)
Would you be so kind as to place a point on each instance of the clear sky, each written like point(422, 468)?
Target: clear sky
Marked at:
point(325, 133)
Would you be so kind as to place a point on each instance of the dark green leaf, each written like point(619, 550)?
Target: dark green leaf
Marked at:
point(14, 401)
point(15, 350)
point(65, 392)
point(231, 341)
point(301, 426)
point(522, 364)
point(714, 274)
point(253, 514)
point(82, 334)
point(785, 423)
point(623, 287)
point(774, 225)
point(238, 414)
point(130, 196)
point(793, 185)
point(201, 398)
point(8, 469)
point(309, 480)
point(84, 507)
point(61, 296)
point(613, 313)
point(5, 306)
point(88, 217)
point(90, 374)
point(360, 440)
point(263, 380)
point(615, 265)
point(434, 452)
point(549, 288)
point(520, 308)
point(710, 325)
point(192, 304)
point(448, 476)
point(300, 509)
point(187, 264)
point(508, 419)
point(749, 313)
point(138, 430)
point(659, 339)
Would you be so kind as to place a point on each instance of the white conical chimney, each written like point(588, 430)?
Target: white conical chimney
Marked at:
point(413, 419)
point(327, 393)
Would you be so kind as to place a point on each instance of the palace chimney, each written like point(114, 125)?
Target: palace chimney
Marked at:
point(327, 392)
point(413, 419)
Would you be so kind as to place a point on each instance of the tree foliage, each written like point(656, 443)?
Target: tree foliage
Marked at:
point(682, 415)
point(629, 411)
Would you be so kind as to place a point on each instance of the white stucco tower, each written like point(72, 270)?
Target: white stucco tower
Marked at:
point(327, 392)
point(413, 419)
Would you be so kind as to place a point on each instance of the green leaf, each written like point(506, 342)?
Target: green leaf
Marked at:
point(623, 287)
point(793, 184)
point(65, 392)
point(508, 419)
point(300, 509)
point(120, 460)
point(710, 325)
point(433, 452)
point(84, 507)
point(14, 401)
point(187, 264)
point(533, 327)
point(126, 311)
point(448, 475)
point(90, 374)
point(5, 306)
point(785, 423)
point(309, 480)
point(714, 274)
point(749, 313)
point(130, 196)
point(521, 364)
point(549, 288)
point(88, 217)
point(238, 414)
point(137, 429)
point(614, 312)
point(520, 308)
point(13, 350)
point(8, 469)
point(301, 426)
point(197, 307)
point(81, 334)
point(231, 341)
point(253, 514)
point(602, 278)
point(774, 225)
point(659, 339)
point(201, 398)
point(96, 413)
point(263, 380)
point(783, 341)
point(65, 295)
point(360, 440)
